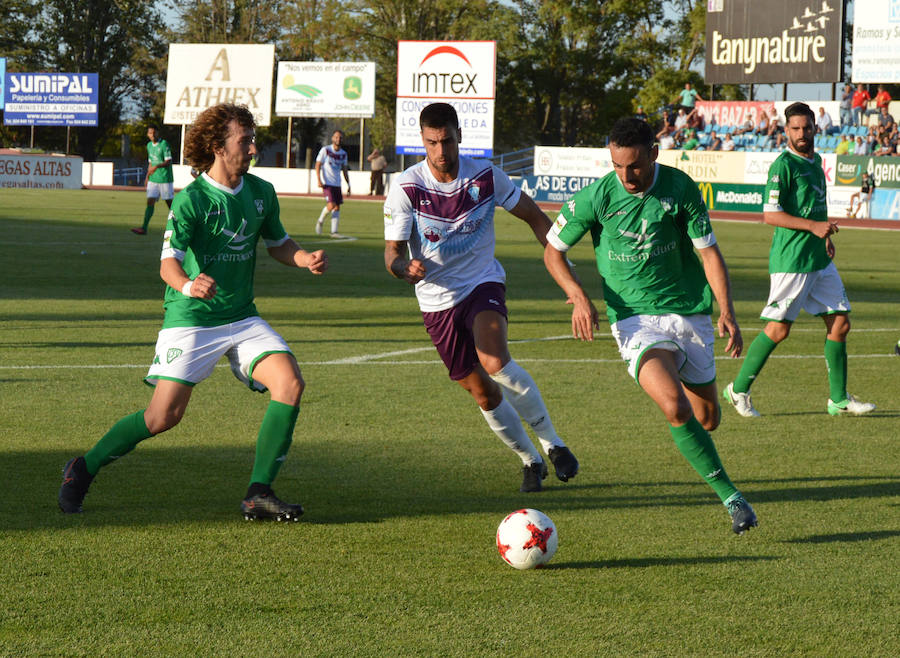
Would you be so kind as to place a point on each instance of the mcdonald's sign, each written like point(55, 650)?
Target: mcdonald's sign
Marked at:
point(706, 191)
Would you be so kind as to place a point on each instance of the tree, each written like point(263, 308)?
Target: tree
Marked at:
point(117, 39)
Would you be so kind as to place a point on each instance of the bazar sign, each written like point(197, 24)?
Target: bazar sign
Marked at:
point(325, 89)
point(202, 75)
point(562, 161)
point(734, 113)
point(51, 99)
point(733, 197)
point(850, 169)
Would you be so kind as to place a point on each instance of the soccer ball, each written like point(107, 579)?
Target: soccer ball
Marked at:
point(527, 539)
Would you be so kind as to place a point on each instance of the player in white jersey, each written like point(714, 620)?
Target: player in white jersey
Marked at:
point(330, 164)
point(439, 236)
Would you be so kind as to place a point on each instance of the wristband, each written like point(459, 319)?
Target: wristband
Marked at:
point(186, 288)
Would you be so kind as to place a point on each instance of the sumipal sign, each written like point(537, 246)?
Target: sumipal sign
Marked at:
point(203, 75)
point(876, 41)
point(50, 99)
point(325, 89)
point(461, 73)
point(771, 41)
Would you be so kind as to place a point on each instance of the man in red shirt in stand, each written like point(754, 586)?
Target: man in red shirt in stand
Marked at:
point(861, 99)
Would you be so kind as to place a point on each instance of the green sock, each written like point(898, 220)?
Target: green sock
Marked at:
point(117, 442)
point(148, 215)
point(273, 441)
point(836, 360)
point(698, 448)
point(760, 349)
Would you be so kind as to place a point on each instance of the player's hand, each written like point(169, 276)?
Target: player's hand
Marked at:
point(203, 287)
point(414, 271)
point(584, 319)
point(829, 248)
point(317, 262)
point(824, 229)
point(348, 190)
point(728, 326)
point(321, 185)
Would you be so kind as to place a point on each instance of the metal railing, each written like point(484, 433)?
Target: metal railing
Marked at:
point(516, 163)
point(129, 176)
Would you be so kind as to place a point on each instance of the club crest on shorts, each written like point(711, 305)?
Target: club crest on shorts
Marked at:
point(173, 354)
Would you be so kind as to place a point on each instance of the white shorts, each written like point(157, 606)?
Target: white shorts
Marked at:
point(690, 337)
point(166, 191)
point(189, 354)
point(817, 293)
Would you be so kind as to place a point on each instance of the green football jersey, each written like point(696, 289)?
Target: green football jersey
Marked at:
point(157, 154)
point(644, 243)
point(215, 231)
point(796, 185)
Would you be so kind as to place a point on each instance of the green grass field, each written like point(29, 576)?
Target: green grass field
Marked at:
point(403, 483)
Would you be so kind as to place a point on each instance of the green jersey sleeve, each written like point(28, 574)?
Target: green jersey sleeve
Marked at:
point(576, 218)
point(696, 217)
point(777, 186)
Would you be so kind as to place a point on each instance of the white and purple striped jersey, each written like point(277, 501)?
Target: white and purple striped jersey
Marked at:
point(333, 162)
point(449, 227)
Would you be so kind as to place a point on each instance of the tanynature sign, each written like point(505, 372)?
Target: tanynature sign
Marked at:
point(772, 41)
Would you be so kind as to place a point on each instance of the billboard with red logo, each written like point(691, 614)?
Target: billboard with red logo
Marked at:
point(462, 73)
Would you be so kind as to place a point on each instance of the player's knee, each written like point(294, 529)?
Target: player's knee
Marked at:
point(159, 422)
point(709, 419)
point(289, 391)
point(676, 410)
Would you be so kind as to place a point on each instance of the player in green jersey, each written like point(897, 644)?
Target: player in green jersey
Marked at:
point(802, 273)
point(159, 179)
point(645, 221)
point(207, 264)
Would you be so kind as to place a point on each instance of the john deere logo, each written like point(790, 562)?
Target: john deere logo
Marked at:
point(304, 90)
point(172, 354)
point(352, 87)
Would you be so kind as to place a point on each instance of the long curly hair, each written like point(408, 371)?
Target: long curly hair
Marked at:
point(210, 130)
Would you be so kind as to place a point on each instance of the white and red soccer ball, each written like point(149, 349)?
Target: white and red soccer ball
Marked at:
point(527, 539)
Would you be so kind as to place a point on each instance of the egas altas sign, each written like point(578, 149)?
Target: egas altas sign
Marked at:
point(771, 41)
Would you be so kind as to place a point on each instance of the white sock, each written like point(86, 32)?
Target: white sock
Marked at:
point(335, 219)
point(524, 395)
point(505, 423)
point(321, 219)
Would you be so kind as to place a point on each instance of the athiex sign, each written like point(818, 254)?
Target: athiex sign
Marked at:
point(462, 73)
point(771, 41)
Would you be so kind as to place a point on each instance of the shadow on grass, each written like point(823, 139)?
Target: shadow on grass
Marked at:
point(162, 484)
point(641, 563)
point(845, 537)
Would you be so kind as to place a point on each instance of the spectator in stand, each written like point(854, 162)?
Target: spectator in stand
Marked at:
point(695, 120)
point(885, 148)
point(668, 122)
point(882, 99)
point(871, 141)
point(823, 122)
point(715, 142)
point(886, 124)
point(860, 99)
point(728, 143)
point(691, 142)
point(640, 114)
point(775, 132)
point(746, 127)
point(762, 125)
point(666, 141)
point(681, 120)
point(688, 97)
point(847, 106)
point(859, 147)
